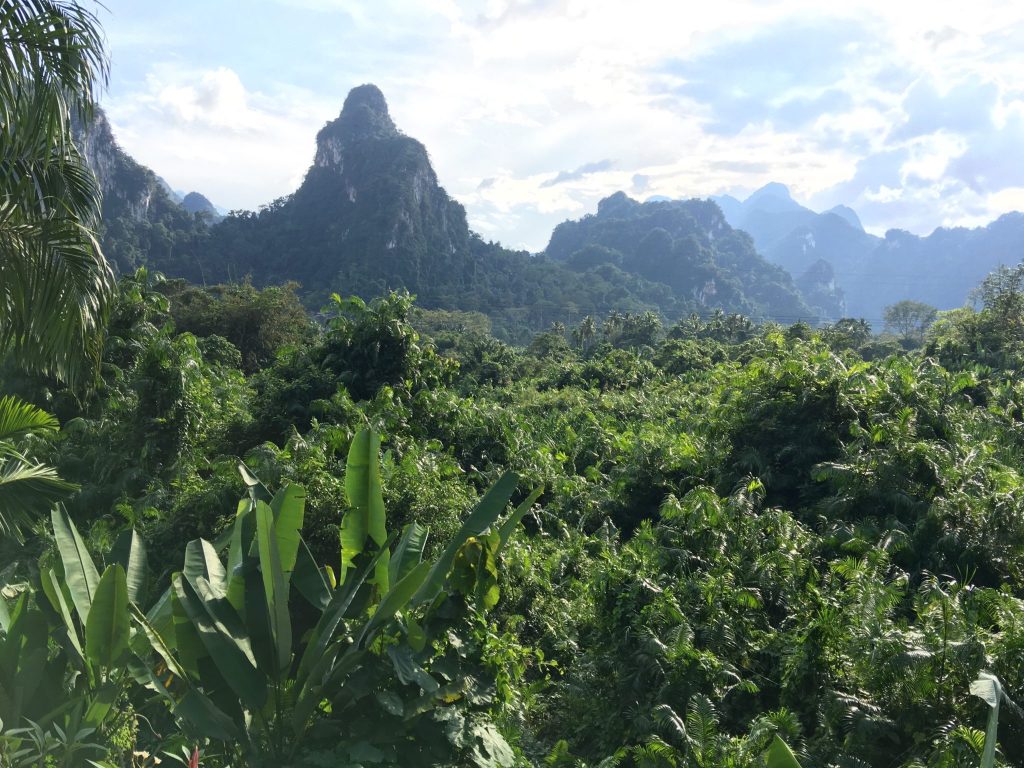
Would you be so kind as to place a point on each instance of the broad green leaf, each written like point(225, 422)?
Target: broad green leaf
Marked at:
point(415, 633)
point(988, 688)
point(323, 633)
point(156, 641)
point(408, 670)
point(289, 507)
point(310, 580)
point(102, 702)
point(257, 490)
point(243, 533)
point(508, 528)
point(108, 630)
point(483, 516)
point(475, 570)
point(130, 552)
point(187, 641)
point(332, 679)
point(394, 601)
point(275, 587)
point(205, 717)
point(202, 562)
point(224, 638)
point(161, 614)
point(366, 518)
point(79, 570)
point(409, 551)
point(54, 591)
point(147, 678)
point(779, 755)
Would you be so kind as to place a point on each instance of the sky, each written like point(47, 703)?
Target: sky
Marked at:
point(910, 112)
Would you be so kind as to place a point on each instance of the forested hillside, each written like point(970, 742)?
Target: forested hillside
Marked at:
point(141, 219)
point(370, 217)
point(687, 246)
point(738, 531)
point(234, 532)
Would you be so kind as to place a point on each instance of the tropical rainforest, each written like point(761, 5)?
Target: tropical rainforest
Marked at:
point(243, 523)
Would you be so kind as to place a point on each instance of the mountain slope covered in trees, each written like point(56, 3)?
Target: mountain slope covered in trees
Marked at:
point(143, 222)
point(370, 216)
point(686, 245)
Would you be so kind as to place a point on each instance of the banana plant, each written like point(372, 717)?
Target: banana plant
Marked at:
point(988, 688)
point(73, 690)
point(267, 644)
point(27, 487)
point(779, 755)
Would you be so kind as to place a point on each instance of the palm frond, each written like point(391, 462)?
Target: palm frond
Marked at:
point(27, 490)
point(18, 419)
point(55, 284)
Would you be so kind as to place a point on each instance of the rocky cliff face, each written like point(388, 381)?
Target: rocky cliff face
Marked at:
point(369, 215)
point(364, 117)
point(143, 223)
point(128, 188)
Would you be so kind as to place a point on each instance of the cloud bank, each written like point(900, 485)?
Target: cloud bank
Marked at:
point(913, 117)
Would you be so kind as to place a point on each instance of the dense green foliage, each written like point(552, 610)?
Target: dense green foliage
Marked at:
point(54, 281)
point(370, 217)
point(745, 530)
point(745, 544)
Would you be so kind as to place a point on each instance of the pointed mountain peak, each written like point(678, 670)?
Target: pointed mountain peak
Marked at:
point(365, 114)
point(848, 215)
point(773, 197)
point(196, 202)
point(364, 117)
point(771, 189)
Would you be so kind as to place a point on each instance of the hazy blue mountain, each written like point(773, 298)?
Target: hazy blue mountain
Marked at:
point(174, 194)
point(941, 269)
point(768, 215)
point(848, 215)
point(830, 253)
point(194, 202)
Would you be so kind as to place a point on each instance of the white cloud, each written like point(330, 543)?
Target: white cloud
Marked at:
point(218, 100)
point(520, 90)
point(203, 130)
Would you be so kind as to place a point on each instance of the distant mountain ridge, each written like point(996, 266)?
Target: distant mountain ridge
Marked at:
point(687, 245)
point(370, 216)
point(143, 220)
point(194, 202)
point(870, 272)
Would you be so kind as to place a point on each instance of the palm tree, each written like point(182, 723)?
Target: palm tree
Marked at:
point(55, 284)
point(27, 488)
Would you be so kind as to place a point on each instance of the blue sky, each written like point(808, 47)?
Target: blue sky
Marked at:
point(532, 110)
